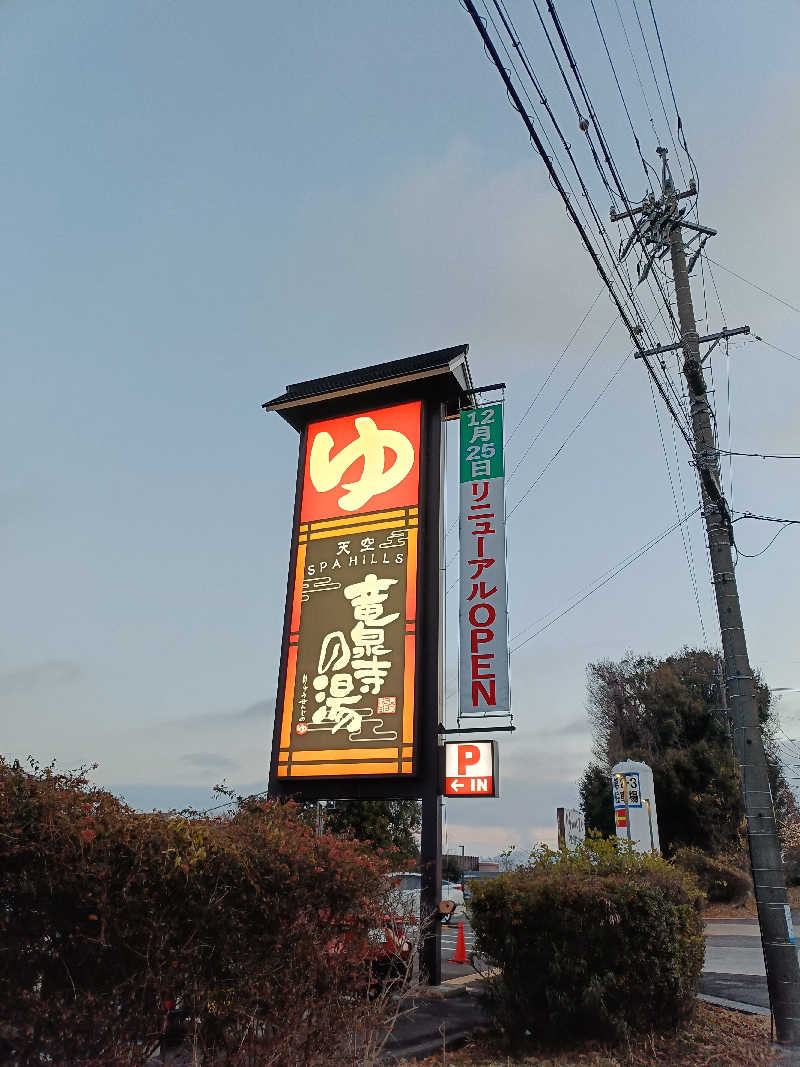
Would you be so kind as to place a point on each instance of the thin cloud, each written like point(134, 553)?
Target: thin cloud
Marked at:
point(575, 726)
point(210, 762)
point(261, 711)
point(51, 674)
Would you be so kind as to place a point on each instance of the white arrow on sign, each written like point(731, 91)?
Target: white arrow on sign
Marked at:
point(457, 784)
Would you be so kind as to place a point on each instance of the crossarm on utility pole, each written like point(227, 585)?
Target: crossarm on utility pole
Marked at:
point(617, 216)
point(700, 340)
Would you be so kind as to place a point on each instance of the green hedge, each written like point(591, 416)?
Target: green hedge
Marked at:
point(718, 880)
point(601, 942)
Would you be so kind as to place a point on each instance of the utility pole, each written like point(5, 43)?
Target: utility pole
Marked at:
point(664, 228)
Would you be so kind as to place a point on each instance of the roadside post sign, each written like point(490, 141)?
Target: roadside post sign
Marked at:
point(635, 815)
point(571, 828)
point(471, 769)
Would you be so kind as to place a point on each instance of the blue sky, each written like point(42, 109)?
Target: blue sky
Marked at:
point(201, 203)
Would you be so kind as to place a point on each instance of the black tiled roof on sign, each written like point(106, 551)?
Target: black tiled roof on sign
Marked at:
point(376, 374)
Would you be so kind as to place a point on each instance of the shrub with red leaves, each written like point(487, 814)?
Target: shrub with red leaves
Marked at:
point(253, 926)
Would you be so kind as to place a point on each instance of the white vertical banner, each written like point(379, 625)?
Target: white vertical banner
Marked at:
point(483, 607)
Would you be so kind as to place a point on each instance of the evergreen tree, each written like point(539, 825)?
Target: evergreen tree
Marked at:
point(451, 868)
point(387, 824)
point(669, 714)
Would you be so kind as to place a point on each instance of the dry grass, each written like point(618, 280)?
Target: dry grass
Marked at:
point(714, 1038)
point(746, 910)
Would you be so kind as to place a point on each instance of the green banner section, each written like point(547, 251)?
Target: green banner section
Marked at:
point(481, 443)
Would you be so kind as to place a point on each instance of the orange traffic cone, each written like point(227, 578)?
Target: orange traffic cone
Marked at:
point(460, 955)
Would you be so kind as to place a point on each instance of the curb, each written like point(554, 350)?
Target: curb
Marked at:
point(734, 1005)
point(466, 984)
point(470, 985)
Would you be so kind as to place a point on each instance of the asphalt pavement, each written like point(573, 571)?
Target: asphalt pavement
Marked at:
point(734, 965)
point(449, 937)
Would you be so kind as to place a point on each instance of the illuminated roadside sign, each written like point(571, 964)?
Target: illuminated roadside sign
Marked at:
point(346, 708)
point(483, 626)
point(470, 769)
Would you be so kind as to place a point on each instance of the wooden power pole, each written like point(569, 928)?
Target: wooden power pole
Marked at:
point(665, 227)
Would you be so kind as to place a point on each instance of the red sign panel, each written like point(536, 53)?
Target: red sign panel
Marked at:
point(470, 769)
point(361, 463)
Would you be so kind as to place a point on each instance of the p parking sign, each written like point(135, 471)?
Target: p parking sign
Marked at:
point(470, 769)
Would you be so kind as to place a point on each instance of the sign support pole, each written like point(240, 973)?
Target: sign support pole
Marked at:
point(431, 863)
point(430, 585)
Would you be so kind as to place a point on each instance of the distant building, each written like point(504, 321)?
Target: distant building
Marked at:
point(465, 863)
point(488, 865)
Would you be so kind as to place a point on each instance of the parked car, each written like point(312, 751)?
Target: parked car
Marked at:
point(473, 876)
point(391, 947)
point(453, 891)
point(407, 889)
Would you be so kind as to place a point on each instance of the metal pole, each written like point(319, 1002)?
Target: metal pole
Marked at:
point(780, 955)
point(430, 694)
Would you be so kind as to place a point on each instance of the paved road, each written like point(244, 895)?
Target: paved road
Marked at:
point(734, 964)
point(733, 948)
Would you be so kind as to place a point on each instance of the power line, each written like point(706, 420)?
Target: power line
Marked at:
point(757, 455)
point(574, 430)
point(681, 131)
point(638, 75)
point(666, 68)
point(747, 281)
point(609, 256)
point(785, 524)
point(576, 427)
point(658, 90)
point(562, 398)
point(769, 344)
point(553, 458)
point(553, 369)
point(605, 579)
point(716, 290)
point(687, 551)
point(769, 544)
point(516, 100)
point(622, 96)
point(584, 126)
point(539, 392)
point(765, 518)
point(730, 414)
point(607, 155)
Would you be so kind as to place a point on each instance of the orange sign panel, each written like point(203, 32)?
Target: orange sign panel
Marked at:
point(347, 707)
